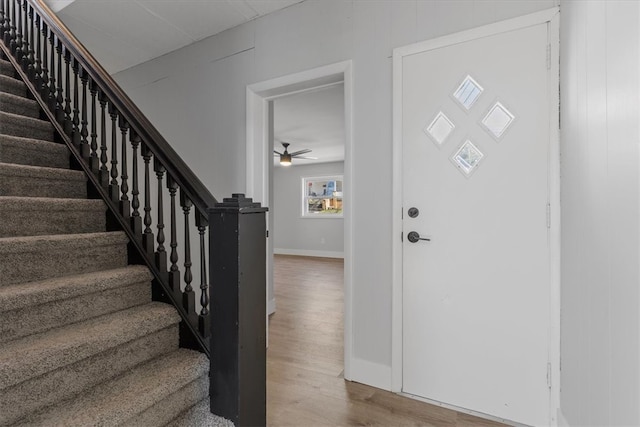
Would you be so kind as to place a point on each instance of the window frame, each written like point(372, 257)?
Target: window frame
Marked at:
point(305, 197)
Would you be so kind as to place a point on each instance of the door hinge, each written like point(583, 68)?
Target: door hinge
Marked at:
point(267, 233)
point(549, 375)
point(548, 56)
point(402, 236)
point(548, 215)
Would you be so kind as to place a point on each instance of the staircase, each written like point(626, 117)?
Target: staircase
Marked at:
point(81, 342)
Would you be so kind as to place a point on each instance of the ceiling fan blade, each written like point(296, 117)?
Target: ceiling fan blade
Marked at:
point(297, 153)
point(276, 153)
point(306, 158)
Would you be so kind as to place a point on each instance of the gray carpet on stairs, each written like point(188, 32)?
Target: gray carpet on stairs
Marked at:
point(33, 152)
point(81, 342)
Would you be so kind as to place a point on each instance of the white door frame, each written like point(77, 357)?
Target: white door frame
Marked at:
point(549, 16)
point(259, 161)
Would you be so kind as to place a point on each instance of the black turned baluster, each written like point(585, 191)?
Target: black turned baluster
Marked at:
point(74, 122)
point(85, 149)
point(125, 205)
point(37, 69)
point(136, 220)
point(44, 81)
point(94, 162)
point(104, 170)
point(6, 25)
point(3, 18)
point(59, 98)
point(31, 44)
point(24, 62)
point(174, 272)
point(25, 36)
point(114, 188)
point(8, 21)
point(17, 51)
point(13, 44)
point(52, 73)
point(188, 296)
point(6, 29)
point(147, 236)
point(204, 326)
point(161, 254)
point(68, 121)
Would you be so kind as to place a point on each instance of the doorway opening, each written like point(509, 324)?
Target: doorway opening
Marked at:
point(260, 168)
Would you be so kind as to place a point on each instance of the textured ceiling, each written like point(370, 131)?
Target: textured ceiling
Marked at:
point(125, 33)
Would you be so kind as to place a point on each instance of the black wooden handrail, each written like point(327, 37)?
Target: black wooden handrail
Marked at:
point(177, 168)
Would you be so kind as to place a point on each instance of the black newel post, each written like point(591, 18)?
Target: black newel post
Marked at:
point(238, 313)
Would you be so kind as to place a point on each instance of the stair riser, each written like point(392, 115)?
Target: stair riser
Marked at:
point(29, 152)
point(166, 410)
point(40, 222)
point(25, 186)
point(6, 69)
point(25, 398)
point(26, 127)
point(60, 260)
point(20, 106)
point(12, 86)
point(23, 322)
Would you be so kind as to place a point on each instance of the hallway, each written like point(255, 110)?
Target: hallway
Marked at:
point(305, 385)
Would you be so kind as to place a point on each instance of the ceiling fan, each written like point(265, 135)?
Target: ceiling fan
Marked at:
point(286, 157)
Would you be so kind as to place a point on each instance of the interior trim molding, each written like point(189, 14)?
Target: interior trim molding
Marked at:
point(306, 252)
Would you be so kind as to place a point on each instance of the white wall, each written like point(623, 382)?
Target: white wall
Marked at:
point(294, 234)
point(600, 213)
point(196, 98)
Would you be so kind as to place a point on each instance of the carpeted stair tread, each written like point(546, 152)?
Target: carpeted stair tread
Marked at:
point(113, 403)
point(38, 354)
point(27, 127)
point(31, 308)
point(6, 68)
point(13, 86)
point(29, 396)
point(31, 258)
point(23, 295)
point(34, 216)
point(200, 416)
point(165, 410)
point(10, 103)
point(40, 181)
point(33, 152)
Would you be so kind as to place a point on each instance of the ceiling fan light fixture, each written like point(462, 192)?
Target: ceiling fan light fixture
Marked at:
point(285, 159)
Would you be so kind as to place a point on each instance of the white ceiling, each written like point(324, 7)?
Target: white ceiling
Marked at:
point(314, 120)
point(125, 33)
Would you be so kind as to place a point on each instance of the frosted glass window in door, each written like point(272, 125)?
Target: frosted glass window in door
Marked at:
point(440, 128)
point(468, 92)
point(498, 120)
point(467, 158)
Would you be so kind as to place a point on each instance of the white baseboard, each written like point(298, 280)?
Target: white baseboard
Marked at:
point(370, 373)
point(271, 306)
point(303, 252)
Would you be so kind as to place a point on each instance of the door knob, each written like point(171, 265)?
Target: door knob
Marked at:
point(414, 236)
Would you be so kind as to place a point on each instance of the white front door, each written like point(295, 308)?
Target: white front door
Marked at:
point(476, 182)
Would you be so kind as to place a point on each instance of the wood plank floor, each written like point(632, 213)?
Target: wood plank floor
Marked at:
point(305, 384)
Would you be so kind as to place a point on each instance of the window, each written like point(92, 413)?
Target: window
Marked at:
point(322, 197)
